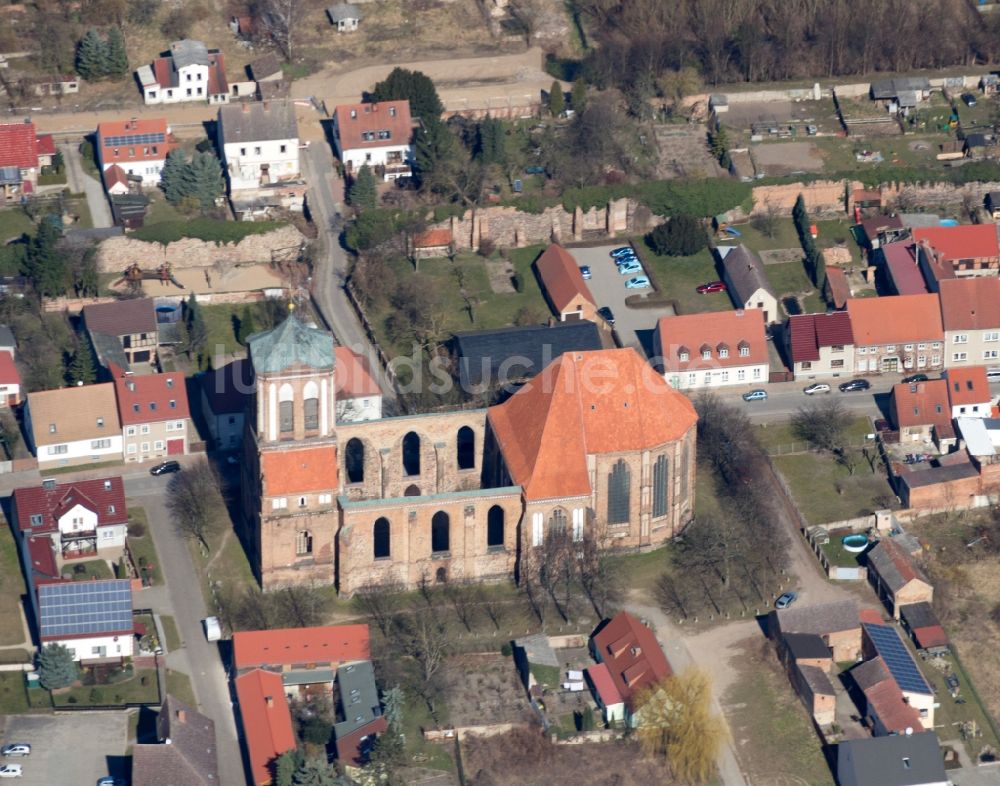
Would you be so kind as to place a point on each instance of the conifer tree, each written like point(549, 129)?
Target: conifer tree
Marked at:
point(82, 370)
point(172, 176)
point(557, 101)
point(364, 191)
point(92, 56)
point(202, 179)
point(578, 98)
point(117, 57)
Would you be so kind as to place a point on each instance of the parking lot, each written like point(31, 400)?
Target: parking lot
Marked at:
point(635, 326)
point(75, 748)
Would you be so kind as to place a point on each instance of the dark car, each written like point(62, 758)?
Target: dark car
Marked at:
point(969, 99)
point(606, 314)
point(854, 384)
point(915, 378)
point(165, 468)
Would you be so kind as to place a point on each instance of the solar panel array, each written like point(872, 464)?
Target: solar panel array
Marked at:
point(134, 139)
point(897, 658)
point(85, 607)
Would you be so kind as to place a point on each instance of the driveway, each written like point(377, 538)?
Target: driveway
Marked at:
point(80, 182)
point(634, 326)
point(77, 747)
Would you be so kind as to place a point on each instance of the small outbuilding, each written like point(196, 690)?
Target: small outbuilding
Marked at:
point(344, 16)
point(924, 627)
point(896, 577)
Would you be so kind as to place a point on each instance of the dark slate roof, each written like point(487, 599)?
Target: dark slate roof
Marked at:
point(187, 753)
point(919, 615)
point(520, 351)
point(817, 680)
point(290, 344)
point(929, 477)
point(806, 645)
point(188, 52)
point(358, 697)
point(342, 11)
point(894, 565)
point(744, 274)
point(7, 337)
point(257, 122)
point(821, 619)
point(891, 88)
point(121, 318)
point(896, 760)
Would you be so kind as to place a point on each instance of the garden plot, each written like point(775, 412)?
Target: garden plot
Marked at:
point(784, 158)
point(484, 689)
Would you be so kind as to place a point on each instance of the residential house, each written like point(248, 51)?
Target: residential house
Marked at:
point(970, 313)
point(969, 392)
point(260, 144)
point(19, 167)
point(924, 627)
point(901, 94)
point(432, 244)
point(903, 760)
point(124, 334)
point(746, 282)
point(8, 343)
point(568, 294)
point(190, 71)
point(10, 381)
point(266, 721)
point(47, 152)
point(896, 334)
point(956, 480)
point(633, 656)
point(378, 134)
point(489, 359)
point(302, 655)
point(225, 395)
point(821, 345)
point(92, 619)
point(879, 230)
point(934, 266)
point(902, 267)
point(814, 688)
point(838, 624)
point(605, 693)
point(896, 577)
point(344, 16)
point(712, 349)
point(186, 754)
point(71, 426)
point(992, 204)
point(133, 147)
point(154, 413)
point(884, 641)
point(921, 413)
point(970, 249)
point(886, 709)
point(358, 704)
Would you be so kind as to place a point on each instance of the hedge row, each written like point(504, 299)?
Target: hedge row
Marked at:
point(207, 229)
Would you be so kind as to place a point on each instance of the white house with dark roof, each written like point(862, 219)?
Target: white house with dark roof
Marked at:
point(746, 281)
point(190, 71)
point(344, 16)
point(259, 144)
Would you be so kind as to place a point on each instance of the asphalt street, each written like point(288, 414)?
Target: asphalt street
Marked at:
point(80, 182)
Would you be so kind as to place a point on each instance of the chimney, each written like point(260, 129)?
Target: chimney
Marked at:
point(269, 700)
point(182, 716)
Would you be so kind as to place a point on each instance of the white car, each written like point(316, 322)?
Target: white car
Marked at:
point(16, 749)
point(10, 770)
point(639, 282)
point(630, 268)
point(816, 387)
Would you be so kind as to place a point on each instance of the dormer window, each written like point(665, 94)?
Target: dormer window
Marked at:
point(173, 404)
point(36, 519)
point(170, 382)
point(107, 485)
point(744, 351)
point(723, 352)
point(152, 406)
point(392, 111)
point(111, 508)
point(684, 356)
point(135, 407)
point(706, 353)
point(354, 114)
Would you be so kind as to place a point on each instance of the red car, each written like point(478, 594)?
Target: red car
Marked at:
point(715, 286)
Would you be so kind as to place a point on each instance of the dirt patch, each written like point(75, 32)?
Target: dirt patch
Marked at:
point(783, 158)
point(779, 256)
point(484, 689)
point(683, 152)
point(501, 273)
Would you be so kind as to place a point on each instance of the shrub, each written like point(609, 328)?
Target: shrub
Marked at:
point(207, 229)
point(682, 236)
point(506, 650)
point(486, 247)
point(136, 529)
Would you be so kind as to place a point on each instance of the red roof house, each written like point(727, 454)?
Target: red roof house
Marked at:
point(18, 160)
point(632, 655)
point(10, 381)
point(568, 293)
point(713, 349)
point(41, 509)
point(324, 647)
point(821, 344)
point(154, 413)
point(967, 248)
point(969, 392)
point(920, 409)
point(267, 721)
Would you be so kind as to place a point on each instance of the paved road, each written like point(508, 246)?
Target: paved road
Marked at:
point(80, 182)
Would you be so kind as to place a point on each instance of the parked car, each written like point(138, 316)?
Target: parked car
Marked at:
point(623, 251)
point(606, 314)
point(165, 468)
point(915, 378)
point(10, 770)
point(786, 600)
point(585, 272)
point(16, 749)
point(639, 282)
point(714, 286)
point(816, 387)
point(107, 780)
point(629, 268)
point(969, 99)
point(854, 384)
point(755, 395)
point(627, 261)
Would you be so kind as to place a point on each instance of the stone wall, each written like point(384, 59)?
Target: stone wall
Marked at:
point(821, 197)
point(115, 254)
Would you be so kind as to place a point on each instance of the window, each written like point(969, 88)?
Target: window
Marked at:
point(131, 448)
point(36, 519)
point(381, 538)
point(144, 447)
point(837, 363)
point(862, 350)
point(173, 404)
point(577, 525)
point(52, 428)
point(921, 360)
point(935, 360)
point(135, 407)
point(807, 365)
point(466, 448)
point(392, 111)
point(958, 357)
point(684, 356)
point(557, 521)
point(706, 354)
point(692, 379)
point(908, 347)
point(279, 503)
point(243, 151)
point(837, 348)
point(158, 445)
point(991, 335)
point(189, 77)
point(178, 425)
point(536, 529)
point(744, 352)
point(100, 422)
point(411, 454)
point(960, 338)
point(284, 148)
point(57, 450)
point(286, 417)
point(921, 347)
point(325, 499)
point(100, 444)
point(991, 354)
point(494, 526)
point(756, 373)
point(303, 543)
point(189, 89)
point(725, 376)
point(232, 420)
point(310, 414)
point(152, 94)
point(170, 425)
point(302, 502)
point(890, 348)
point(130, 431)
point(741, 374)
point(440, 524)
point(660, 486)
point(143, 429)
point(723, 352)
point(354, 460)
point(936, 345)
point(619, 481)
point(256, 151)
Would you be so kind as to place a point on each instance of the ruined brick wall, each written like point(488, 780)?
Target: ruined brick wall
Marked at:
point(935, 195)
point(280, 566)
point(822, 197)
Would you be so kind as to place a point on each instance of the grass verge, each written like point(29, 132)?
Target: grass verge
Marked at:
point(11, 589)
point(140, 689)
point(170, 633)
point(179, 685)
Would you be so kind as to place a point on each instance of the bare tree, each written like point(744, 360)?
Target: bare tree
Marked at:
point(495, 608)
point(599, 579)
point(556, 570)
point(464, 598)
point(280, 20)
point(767, 221)
point(526, 14)
point(380, 602)
point(423, 636)
point(195, 502)
point(822, 424)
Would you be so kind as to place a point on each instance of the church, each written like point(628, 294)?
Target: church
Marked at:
point(597, 443)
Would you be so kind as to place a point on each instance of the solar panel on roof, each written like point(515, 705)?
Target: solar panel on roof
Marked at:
point(134, 139)
point(897, 658)
point(70, 609)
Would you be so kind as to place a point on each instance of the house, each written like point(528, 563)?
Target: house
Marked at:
point(605, 693)
point(154, 413)
point(378, 135)
point(884, 641)
point(969, 392)
point(344, 16)
point(746, 282)
point(813, 687)
point(920, 412)
point(266, 722)
point(359, 397)
point(432, 244)
point(132, 147)
point(900, 95)
point(955, 481)
point(896, 334)
point(124, 334)
point(837, 289)
point(92, 619)
point(10, 381)
point(358, 704)
point(509, 356)
point(713, 349)
point(8, 343)
point(896, 577)
point(225, 394)
point(970, 314)
point(266, 69)
point(633, 657)
point(820, 345)
point(190, 71)
point(70, 426)
point(992, 204)
point(902, 267)
point(260, 144)
point(568, 294)
point(923, 625)
point(879, 230)
point(970, 249)
point(904, 760)
point(19, 167)
point(186, 753)
point(838, 624)
point(886, 709)
point(301, 655)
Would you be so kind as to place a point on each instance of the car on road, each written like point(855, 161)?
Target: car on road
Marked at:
point(585, 272)
point(623, 251)
point(639, 282)
point(714, 286)
point(969, 99)
point(816, 387)
point(629, 268)
point(16, 749)
point(915, 378)
point(786, 600)
point(165, 468)
point(606, 314)
point(854, 384)
point(755, 395)
point(107, 780)
point(10, 770)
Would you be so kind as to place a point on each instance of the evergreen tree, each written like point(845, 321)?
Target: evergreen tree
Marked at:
point(82, 370)
point(248, 326)
point(557, 101)
point(718, 142)
point(172, 176)
point(92, 56)
point(56, 667)
point(117, 57)
point(45, 266)
point(364, 192)
point(202, 179)
point(197, 331)
point(316, 772)
point(578, 98)
point(413, 86)
point(434, 147)
point(490, 147)
point(286, 766)
point(681, 236)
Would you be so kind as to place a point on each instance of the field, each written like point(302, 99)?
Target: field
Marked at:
point(778, 438)
point(13, 223)
point(11, 589)
point(679, 277)
point(825, 491)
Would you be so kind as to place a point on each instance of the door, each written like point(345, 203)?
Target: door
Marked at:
point(175, 447)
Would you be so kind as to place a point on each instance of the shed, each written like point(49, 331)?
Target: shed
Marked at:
point(923, 625)
point(344, 16)
point(568, 293)
point(896, 576)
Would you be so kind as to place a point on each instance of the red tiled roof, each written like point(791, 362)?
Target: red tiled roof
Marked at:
point(885, 700)
point(352, 375)
point(267, 721)
point(970, 303)
point(632, 654)
point(103, 496)
point(931, 636)
point(561, 277)
point(299, 471)
point(902, 319)
point(604, 685)
point(968, 385)
point(582, 404)
point(870, 615)
point(163, 68)
point(840, 290)
point(730, 330)
point(901, 262)
point(354, 120)
point(970, 241)
point(42, 551)
point(432, 238)
point(349, 745)
point(809, 332)
point(114, 175)
point(217, 82)
point(151, 398)
point(9, 374)
point(328, 644)
point(125, 154)
point(18, 145)
point(46, 145)
point(921, 403)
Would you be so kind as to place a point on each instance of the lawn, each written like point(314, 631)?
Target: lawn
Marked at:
point(838, 556)
point(230, 567)
point(789, 278)
point(785, 236)
point(419, 752)
point(179, 685)
point(13, 223)
point(139, 689)
point(173, 638)
point(16, 656)
point(779, 438)
point(11, 589)
point(13, 696)
point(144, 553)
point(85, 571)
point(679, 278)
point(161, 211)
point(825, 491)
